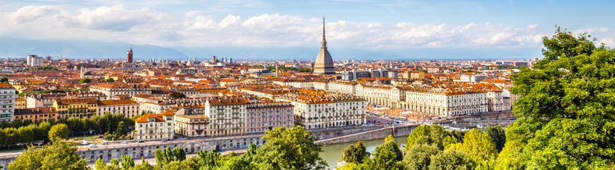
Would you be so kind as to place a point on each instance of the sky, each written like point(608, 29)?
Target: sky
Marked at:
point(491, 26)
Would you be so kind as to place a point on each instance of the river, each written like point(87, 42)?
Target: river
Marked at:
point(332, 153)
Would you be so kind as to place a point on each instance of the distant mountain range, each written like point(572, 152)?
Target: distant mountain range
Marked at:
point(12, 47)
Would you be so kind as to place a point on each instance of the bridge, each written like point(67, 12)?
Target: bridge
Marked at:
point(401, 130)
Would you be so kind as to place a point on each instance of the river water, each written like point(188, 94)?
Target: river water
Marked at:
point(333, 153)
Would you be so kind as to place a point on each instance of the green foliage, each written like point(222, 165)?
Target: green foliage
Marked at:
point(121, 128)
point(418, 157)
point(511, 156)
point(208, 160)
point(498, 134)
point(176, 165)
point(387, 156)
point(479, 146)
point(99, 124)
point(348, 166)
point(110, 80)
point(291, 148)
point(564, 44)
point(168, 155)
point(100, 164)
point(40, 92)
point(237, 163)
point(179, 153)
point(56, 156)
point(114, 164)
point(565, 109)
point(4, 80)
point(84, 80)
point(427, 134)
point(58, 132)
point(143, 166)
point(354, 153)
point(127, 161)
point(451, 159)
point(11, 136)
point(449, 140)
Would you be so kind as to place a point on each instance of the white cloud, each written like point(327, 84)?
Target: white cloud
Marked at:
point(114, 18)
point(111, 18)
point(31, 13)
point(229, 20)
point(194, 28)
point(608, 42)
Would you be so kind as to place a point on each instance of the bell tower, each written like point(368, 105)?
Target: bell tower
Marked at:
point(129, 55)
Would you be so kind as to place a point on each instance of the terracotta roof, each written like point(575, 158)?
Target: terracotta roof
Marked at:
point(144, 118)
point(5, 86)
point(168, 112)
point(39, 110)
point(116, 102)
point(194, 116)
point(228, 101)
point(76, 101)
point(227, 80)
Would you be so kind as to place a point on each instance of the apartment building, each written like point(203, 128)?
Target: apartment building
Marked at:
point(154, 126)
point(227, 115)
point(265, 115)
point(7, 102)
point(40, 114)
point(326, 110)
point(111, 90)
point(67, 108)
point(126, 107)
point(192, 125)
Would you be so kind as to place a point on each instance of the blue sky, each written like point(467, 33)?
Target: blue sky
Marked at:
point(375, 25)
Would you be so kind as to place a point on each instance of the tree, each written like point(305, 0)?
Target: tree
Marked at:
point(179, 153)
point(427, 134)
point(498, 134)
point(143, 166)
point(173, 165)
point(84, 80)
point(74, 124)
point(177, 95)
point(110, 80)
point(387, 156)
point(348, 166)
point(100, 164)
point(127, 161)
point(113, 164)
point(565, 109)
point(236, 163)
point(58, 132)
point(418, 157)
point(451, 159)
point(56, 156)
point(121, 129)
point(291, 148)
point(4, 80)
point(354, 153)
point(207, 160)
point(479, 146)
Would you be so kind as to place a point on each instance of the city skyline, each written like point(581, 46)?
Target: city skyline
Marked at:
point(340, 84)
point(279, 30)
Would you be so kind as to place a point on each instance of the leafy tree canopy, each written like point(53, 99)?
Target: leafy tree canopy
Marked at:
point(565, 108)
point(354, 153)
point(56, 156)
point(291, 148)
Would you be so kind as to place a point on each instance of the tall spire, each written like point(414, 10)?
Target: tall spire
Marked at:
point(324, 41)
